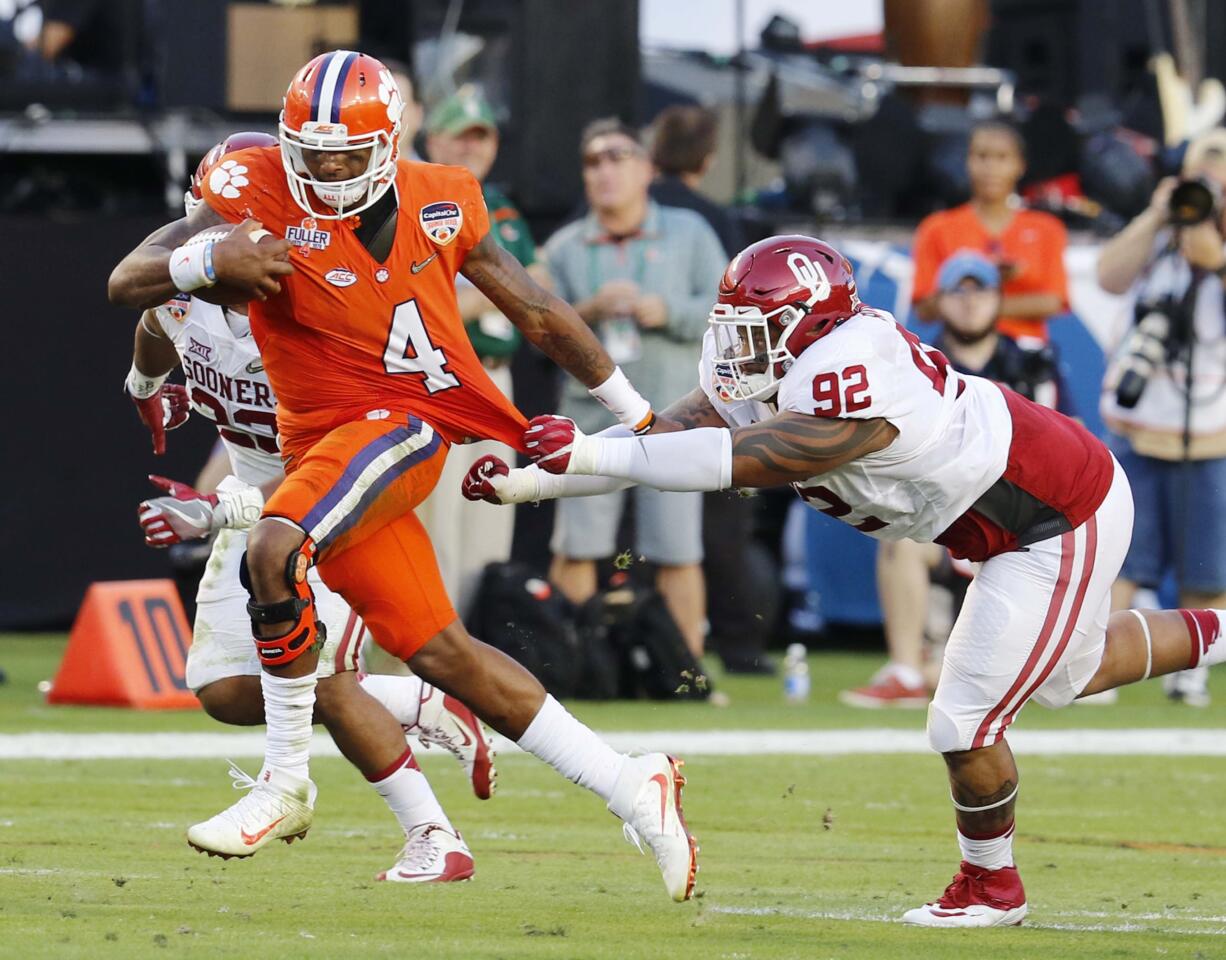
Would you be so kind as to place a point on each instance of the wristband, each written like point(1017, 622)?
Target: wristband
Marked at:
point(141, 385)
point(239, 504)
point(191, 266)
point(618, 396)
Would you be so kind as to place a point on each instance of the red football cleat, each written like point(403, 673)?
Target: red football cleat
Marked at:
point(977, 897)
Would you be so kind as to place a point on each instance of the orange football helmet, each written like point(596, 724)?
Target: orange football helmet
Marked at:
point(236, 141)
point(339, 102)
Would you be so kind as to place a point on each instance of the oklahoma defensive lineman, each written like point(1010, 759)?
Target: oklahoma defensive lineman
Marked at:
point(228, 385)
point(375, 378)
point(801, 384)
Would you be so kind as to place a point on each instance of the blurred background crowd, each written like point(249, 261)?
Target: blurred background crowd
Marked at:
point(1035, 186)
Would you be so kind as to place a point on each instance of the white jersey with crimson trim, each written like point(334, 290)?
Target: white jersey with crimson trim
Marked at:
point(954, 431)
point(226, 382)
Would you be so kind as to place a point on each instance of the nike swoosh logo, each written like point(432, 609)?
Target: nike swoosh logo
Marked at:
point(251, 838)
point(663, 782)
point(419, 267)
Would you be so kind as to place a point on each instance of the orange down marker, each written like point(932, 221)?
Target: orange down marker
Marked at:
point(128, 648)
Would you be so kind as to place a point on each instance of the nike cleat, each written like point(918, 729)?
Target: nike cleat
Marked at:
point(647, 797)
point(431, 854)
point(276, 807)
point(977, 897)
point(444, 721)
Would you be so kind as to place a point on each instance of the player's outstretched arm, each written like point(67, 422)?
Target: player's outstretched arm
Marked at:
point(782, 450)
point(690, 412)
point(545, 320)
point(145, 278)
point(161, 406)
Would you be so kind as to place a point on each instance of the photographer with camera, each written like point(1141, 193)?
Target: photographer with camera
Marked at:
point(1169, 428)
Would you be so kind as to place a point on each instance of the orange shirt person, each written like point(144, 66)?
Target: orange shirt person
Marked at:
point(353, 307)
point(1027, 245)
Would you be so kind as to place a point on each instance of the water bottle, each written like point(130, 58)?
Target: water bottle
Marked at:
point(796, 673)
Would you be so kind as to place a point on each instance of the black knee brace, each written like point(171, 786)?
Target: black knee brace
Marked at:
point(306, 633)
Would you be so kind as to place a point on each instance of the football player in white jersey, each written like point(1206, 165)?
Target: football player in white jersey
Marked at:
point(227, 384)
point(802, 384)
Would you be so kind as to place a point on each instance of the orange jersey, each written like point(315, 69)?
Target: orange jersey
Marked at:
point(348, 334)
point(1030, 250)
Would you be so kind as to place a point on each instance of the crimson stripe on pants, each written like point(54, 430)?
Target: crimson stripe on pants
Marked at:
point(343, 646)
point(1087, 569)
point(1049, 626)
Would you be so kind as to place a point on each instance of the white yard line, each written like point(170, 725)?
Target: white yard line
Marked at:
point(1128, 924)
point(690, 743)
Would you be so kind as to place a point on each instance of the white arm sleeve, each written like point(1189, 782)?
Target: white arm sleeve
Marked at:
point(532, 484)
point(687, 460)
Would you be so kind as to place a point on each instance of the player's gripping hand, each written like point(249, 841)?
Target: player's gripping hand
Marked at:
point(491, 480)
point(164, 409)
point(251, 264)
point(186, 514)
point(555, 444)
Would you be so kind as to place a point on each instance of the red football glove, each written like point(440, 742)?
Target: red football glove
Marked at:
point(165, 410)
point(187, 514)
point(550, 441)
point(476, 483)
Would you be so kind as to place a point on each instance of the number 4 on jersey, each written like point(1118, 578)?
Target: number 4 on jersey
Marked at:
point(410, 350)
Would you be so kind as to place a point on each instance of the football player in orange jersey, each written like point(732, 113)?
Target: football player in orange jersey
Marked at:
point(353, 308)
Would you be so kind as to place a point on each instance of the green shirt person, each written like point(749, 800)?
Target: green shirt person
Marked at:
point(461, 131)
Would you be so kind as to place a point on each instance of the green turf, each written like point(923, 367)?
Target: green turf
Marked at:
point(1123, 857)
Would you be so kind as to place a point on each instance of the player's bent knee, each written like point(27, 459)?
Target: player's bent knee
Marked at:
point(944, 734)
point(284, 628)
point(450, 652)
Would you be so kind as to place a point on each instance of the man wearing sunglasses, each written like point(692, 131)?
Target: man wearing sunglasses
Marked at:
point(642, 275)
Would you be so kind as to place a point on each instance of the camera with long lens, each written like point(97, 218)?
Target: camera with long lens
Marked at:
point(1161, 330)
point(1194, 201)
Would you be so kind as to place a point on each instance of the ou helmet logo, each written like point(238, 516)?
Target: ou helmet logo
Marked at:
point(811, 276)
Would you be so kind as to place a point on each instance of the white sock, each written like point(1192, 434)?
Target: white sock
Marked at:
point(408, 795)
point(908, 676)
point(1205, 626)
point(288, 705)
point(400, 695)
point(992, 852)
point(572, 749)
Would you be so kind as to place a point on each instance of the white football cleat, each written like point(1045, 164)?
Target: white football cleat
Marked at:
point(977, 897)
point(431, 854)
point(445, 721)
point(276, 807)
point(647, 797)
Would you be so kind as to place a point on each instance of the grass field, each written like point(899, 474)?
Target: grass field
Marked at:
point(805, 857)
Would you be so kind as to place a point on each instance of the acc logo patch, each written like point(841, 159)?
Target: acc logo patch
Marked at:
point(341, 277)
point(441, 221)
point(308, 236)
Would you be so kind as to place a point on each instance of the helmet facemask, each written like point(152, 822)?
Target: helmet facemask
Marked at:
point(751, 354)
point(345, 197)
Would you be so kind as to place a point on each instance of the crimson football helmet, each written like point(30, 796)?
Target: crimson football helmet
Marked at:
point(776, 298)
point(236, 141)
point(341, 101)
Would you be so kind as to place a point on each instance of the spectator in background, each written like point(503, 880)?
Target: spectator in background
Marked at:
point(1178, 481)
point(1027, 245)
point(410, 120)
point(968, 303)
point(87, 35)
point(467, 536)
point(682, 148)
point(644, 276)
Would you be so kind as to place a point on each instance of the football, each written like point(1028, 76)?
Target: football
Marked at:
point(220, 293)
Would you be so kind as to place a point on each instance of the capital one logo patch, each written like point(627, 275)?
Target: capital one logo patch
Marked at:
point(441, 221)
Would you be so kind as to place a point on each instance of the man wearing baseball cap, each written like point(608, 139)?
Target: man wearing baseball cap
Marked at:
point(968, 298)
